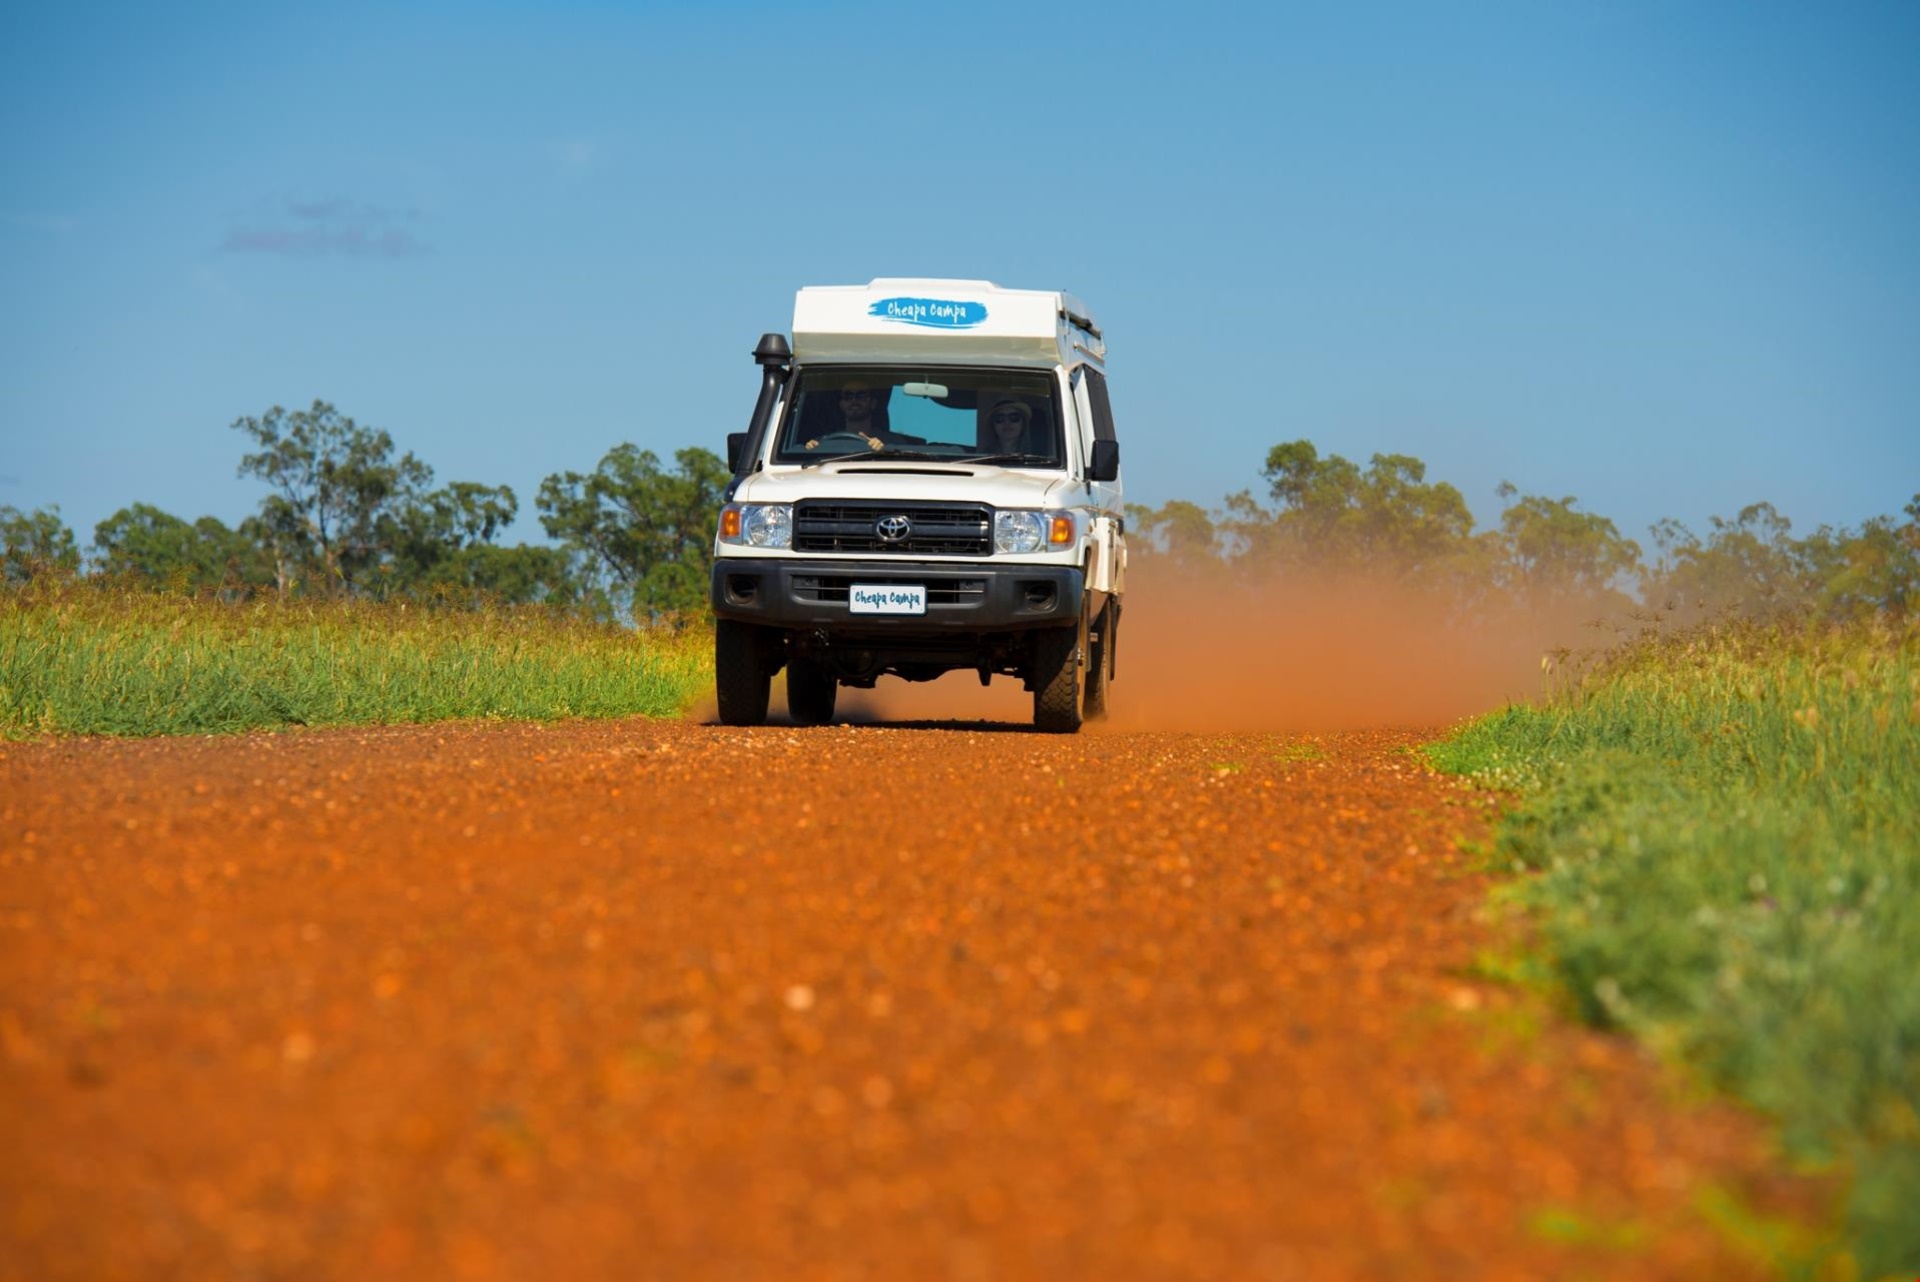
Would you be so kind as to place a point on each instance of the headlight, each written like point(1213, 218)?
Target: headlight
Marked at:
point(1022, 532)
point(769, 525)
point(757, 525)
point(1018, 532)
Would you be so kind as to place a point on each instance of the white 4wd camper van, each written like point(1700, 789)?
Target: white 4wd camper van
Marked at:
point(930, 482)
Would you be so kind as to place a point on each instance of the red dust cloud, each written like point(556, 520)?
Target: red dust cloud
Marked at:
point(1300, 655)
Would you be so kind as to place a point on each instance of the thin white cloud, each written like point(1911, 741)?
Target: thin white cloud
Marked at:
point(304, 228)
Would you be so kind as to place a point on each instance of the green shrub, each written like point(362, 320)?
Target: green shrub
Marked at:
point(1723, 830)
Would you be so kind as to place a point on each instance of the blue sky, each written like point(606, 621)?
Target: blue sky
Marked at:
point(1661, 256)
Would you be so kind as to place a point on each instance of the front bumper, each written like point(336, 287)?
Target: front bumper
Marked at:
point(982, 597)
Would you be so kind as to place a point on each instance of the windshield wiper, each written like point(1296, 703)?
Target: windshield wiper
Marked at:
point(887, 451)
point(1040, 460)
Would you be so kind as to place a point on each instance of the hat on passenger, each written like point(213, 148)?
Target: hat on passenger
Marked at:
point(989, 439)
point(1012, 403)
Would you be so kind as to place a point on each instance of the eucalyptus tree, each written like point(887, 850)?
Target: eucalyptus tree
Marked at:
point(338, 490)
point(1331, 515)
point(142, 542)
point(638, 529)
point(35, 544)
point(1552, 550)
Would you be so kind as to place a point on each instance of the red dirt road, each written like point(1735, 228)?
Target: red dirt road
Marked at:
point(660, 1000)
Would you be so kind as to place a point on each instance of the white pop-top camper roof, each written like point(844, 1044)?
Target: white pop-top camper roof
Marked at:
point(953, 322)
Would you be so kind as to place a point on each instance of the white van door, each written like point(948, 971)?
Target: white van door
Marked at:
point(1107, 573)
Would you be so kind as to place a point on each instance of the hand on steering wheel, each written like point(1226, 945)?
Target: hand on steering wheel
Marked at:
point(844, 441)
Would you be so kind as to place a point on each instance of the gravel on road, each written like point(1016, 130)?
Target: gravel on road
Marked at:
point(660, 1000)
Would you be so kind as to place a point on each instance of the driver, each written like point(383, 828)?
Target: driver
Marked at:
point(858, 406)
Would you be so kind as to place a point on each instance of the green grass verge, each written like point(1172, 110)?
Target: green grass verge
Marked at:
point(82, 659)
point(1723, 836)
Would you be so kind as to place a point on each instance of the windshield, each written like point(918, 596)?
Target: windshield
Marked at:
point(1009, 416)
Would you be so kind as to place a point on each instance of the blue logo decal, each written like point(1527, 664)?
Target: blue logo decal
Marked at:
point(932, 313)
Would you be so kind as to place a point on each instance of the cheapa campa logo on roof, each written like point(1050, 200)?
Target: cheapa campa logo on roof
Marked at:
point(931, 313)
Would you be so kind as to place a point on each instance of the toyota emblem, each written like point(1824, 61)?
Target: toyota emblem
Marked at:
point(893, 529)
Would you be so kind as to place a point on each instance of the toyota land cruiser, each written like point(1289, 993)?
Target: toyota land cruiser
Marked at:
point(930, 481)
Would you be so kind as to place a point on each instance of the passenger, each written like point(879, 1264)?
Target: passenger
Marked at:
point(1007, 424)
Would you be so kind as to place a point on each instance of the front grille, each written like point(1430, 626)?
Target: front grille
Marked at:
point(939, 529)
point(831, 589)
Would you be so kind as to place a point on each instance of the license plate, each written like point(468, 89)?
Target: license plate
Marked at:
point(887, 598)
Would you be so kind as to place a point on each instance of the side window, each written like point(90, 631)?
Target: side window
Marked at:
point(1102, 408)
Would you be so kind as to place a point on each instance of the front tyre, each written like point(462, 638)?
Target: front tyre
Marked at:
point(811, 691)
point(741, 676)
point(1059, 668)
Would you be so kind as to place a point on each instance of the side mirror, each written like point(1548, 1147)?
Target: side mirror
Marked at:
point(736, 445)
point(1104, 463)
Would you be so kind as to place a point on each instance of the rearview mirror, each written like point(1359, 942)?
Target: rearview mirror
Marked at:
point(736, 445)
point(1104, 463)
point(933, 391)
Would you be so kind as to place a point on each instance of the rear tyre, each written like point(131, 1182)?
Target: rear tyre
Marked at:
point(811, 691)
point(1059, 668)
point(1094, 701)
point(741, 677)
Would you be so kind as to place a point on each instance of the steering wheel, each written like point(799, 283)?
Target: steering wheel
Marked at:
point(842, 443)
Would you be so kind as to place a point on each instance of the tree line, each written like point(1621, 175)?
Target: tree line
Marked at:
point(1324, 515)
point(347, 515)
